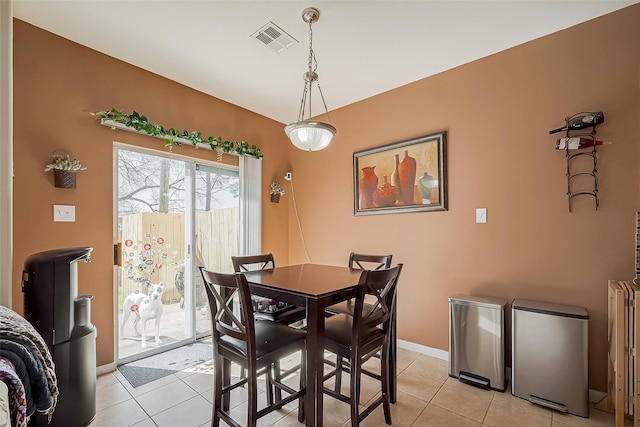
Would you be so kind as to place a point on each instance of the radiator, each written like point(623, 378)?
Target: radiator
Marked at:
point(623, 395)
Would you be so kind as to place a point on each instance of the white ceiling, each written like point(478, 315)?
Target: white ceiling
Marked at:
point(363, 47)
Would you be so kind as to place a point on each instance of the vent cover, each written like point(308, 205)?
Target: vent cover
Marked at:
point(274, 37)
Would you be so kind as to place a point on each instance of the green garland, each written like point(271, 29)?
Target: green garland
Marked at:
point(140, 123)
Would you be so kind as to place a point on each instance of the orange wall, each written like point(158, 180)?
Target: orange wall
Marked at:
point(497, 112)
point(56, 82)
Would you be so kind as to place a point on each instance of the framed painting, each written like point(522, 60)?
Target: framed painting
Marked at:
point(406, 176)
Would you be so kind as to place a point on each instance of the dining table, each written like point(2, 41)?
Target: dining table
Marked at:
point(315, 287)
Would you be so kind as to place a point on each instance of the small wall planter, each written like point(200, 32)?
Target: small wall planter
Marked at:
point(64, 179)
point(64, 168)
point(276, 191)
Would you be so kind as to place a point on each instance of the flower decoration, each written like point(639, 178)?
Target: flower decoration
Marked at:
point(276, 188)
point(64, 163)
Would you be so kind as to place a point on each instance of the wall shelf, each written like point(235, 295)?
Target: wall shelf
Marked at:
point(117, 125)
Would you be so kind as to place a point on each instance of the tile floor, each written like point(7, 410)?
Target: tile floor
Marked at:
point(427, 396)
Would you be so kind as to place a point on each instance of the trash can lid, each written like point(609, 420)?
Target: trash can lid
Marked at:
point(60, 255)
point(489, 302)
point(550, 308)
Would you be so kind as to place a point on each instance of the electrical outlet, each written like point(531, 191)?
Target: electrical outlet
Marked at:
point(64, 213)
point(481, 215)
point(287, 176)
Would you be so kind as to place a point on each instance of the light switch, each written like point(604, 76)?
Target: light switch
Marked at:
point(481, 215)
point(64, 213)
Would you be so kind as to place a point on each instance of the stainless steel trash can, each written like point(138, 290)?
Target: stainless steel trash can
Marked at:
point(476, 340)
point(550, 347)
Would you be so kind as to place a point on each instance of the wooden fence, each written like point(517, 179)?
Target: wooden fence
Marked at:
point(153, 248)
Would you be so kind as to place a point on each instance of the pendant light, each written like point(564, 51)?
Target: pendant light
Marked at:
point(310, 135)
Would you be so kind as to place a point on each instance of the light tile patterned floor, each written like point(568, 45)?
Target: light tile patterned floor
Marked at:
point(427, 397)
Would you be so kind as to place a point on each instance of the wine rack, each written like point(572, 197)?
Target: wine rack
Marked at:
point(575, 169)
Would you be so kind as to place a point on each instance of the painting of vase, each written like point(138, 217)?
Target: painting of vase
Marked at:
point(407, 174)
point(414, 172)
point(368, 184)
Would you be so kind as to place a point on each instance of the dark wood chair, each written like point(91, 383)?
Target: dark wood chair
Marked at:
point(360, 262)
point(266, 308)
point(360, 336)
point(254, 344)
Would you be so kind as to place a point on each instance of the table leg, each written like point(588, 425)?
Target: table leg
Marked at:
point(315, 364)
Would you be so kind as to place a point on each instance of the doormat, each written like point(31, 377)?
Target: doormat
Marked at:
point(151, 368)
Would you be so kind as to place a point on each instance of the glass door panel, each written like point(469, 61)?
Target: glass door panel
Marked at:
point(216, 230)
point(152, 197)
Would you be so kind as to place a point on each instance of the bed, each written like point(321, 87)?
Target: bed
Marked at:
point(27, 372)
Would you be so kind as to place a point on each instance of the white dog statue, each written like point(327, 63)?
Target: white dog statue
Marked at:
point(145, 307)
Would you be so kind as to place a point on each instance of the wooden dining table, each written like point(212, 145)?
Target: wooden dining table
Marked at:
point(315, 287)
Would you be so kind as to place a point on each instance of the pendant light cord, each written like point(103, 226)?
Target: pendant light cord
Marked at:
point(295, 208)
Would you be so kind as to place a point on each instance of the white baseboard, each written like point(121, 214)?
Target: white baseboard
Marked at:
point(423, 349)
point(105, 369)
point(594, 395)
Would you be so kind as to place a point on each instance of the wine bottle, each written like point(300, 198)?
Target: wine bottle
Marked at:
point(581, 122)
point(578, 143)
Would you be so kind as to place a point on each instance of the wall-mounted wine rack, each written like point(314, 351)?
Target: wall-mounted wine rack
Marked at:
point(580, 128)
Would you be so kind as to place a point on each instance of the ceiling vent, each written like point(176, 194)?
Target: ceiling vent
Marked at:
point(274, 37)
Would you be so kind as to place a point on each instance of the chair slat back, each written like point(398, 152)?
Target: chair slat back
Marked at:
point(223, 320)
point(253, 262)
point(382, 285)
point(369, 261)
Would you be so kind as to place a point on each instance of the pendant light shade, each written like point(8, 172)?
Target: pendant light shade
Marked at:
point(310, 135)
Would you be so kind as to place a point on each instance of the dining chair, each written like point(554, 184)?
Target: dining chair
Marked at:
point(359, 337)
point(254, 344)
point(360, 262)
point(267, 308)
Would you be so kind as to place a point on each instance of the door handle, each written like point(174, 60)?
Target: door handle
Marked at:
point(117, 254)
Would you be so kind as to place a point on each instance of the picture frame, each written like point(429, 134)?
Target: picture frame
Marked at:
point(405, 176)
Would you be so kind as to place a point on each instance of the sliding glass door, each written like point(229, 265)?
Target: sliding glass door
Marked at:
point(173, 215)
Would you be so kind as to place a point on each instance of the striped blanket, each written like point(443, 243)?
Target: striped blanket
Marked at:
point(27, 360)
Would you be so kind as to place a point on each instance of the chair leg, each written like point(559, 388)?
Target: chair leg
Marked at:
point(226, 380)
point(277, 377)
point(217, 392)
point(303, 386)
point(252, 416)
point(385, 372)
point(354, 392)
point(338, 380)
point(269, 383)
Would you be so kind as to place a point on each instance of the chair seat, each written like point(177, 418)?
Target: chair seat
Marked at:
point(338, 330)
point(347, 307)
point(286, 315)
point(270, 337)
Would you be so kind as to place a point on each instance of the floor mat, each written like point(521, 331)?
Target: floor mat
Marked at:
point(149, 369)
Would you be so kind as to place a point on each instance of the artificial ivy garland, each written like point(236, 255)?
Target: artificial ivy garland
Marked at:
point(140, 123)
